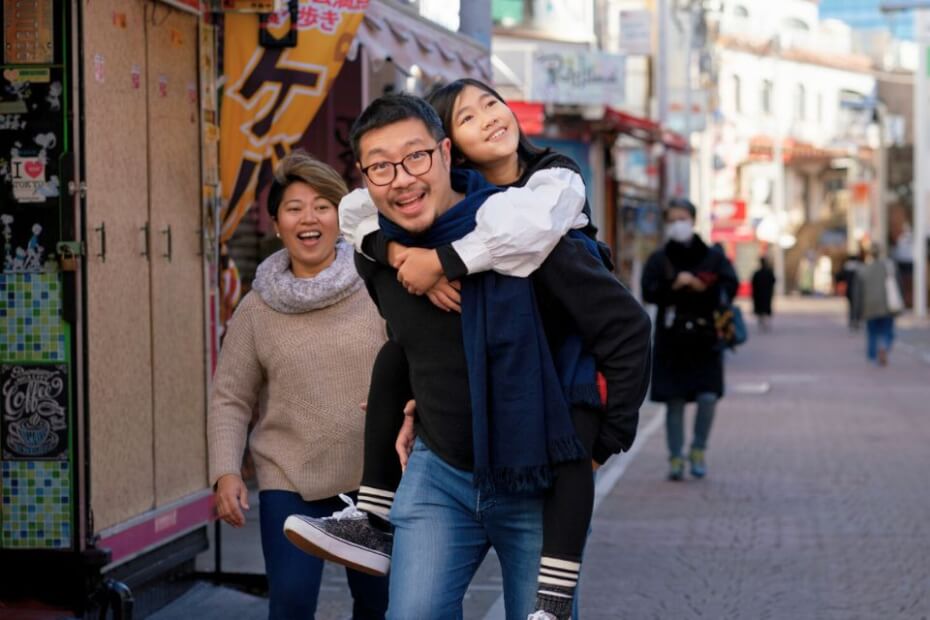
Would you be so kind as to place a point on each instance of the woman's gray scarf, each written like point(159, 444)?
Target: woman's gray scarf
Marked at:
point(278, 287)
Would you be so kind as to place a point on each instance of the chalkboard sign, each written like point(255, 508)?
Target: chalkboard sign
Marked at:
point(34, 411)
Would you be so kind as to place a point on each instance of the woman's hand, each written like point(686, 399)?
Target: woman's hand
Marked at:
point(418, 269)
point(406, 436)
point(445, 295)
point(686, 279)
point(231, 498)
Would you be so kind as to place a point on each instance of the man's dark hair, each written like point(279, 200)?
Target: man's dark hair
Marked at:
point(681, 203)
point(390, 109)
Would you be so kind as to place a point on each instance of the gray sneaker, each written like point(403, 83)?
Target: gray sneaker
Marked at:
point(347, 538)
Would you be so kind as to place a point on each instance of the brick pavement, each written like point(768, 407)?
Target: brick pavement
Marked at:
point(816, 505)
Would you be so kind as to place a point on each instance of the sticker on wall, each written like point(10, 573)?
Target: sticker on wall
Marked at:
point(36, 504)
point(177, 39)
point(33, 418)
point(30, 317)
point(28, 174)
point(162, 85)
point(99, 66)
point(119, 20)
point(23, 258)
point(135, 75)
point(54, 97)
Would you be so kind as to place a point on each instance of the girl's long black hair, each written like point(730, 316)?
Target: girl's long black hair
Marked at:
point(443, 101)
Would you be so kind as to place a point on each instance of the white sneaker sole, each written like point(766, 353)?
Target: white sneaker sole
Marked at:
point(315, 541)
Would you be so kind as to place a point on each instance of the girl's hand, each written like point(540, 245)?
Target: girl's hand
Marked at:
point(231, 494)
point(445, 295)
point(394, 250)
point(419, 269)
point(406, 436)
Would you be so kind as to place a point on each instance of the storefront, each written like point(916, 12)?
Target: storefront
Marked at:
point(104, 359)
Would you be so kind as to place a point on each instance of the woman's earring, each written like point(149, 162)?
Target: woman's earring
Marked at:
point(278, 235)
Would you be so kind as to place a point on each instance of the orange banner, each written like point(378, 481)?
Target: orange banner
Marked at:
point(273, 91)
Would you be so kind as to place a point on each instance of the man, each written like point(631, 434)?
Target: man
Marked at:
point(444, 516)
point(879, 297)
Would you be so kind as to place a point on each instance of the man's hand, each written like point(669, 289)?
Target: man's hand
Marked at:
point(231, 498)
point(406, 436)
point(445, 295)
point(419, 269)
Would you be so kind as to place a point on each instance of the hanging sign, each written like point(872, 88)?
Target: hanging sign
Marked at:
point(28, 33)
point(273, 92)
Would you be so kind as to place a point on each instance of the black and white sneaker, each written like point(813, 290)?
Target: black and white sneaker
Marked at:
point(347, 538)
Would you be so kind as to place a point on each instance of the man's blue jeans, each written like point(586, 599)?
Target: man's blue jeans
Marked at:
point(675, 423)
point(443, 528)
point(294, 577)
point(879, 334)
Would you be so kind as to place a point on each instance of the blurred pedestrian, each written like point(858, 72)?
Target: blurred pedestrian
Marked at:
point(763, 288)
point(688, 282)
point(847, 278)
point(879, 297)
point(300, 346)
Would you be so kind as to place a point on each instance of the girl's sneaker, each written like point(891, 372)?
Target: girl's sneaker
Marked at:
point(347, 537)
point(698, 466)
point(676, 468)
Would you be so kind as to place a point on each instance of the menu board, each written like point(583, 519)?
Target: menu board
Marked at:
point(28, 32)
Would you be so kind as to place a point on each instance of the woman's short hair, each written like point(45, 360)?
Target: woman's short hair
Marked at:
point(300, 166)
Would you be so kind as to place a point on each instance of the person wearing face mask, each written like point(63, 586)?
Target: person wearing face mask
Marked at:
point(687, 281)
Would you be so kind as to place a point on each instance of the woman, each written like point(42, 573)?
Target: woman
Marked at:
point(688, 281)
point(300, 346)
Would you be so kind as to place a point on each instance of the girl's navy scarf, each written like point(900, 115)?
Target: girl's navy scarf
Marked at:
point(512, 373)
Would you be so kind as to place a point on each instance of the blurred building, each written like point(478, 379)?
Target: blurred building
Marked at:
point(794, 168)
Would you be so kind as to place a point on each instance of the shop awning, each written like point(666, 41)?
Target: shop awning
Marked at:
point(409, 40)
point(644, 129)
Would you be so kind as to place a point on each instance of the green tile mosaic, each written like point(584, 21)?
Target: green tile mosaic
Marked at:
point(30, 318)
point(36, 505)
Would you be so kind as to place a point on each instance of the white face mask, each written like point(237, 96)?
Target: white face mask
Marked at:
point(680, 230)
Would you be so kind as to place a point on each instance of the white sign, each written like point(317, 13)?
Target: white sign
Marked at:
point(581, 78)
point(28, 176)
point(636, 33)
point(679, 119)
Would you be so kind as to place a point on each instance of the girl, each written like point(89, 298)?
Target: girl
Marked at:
point(515, 232)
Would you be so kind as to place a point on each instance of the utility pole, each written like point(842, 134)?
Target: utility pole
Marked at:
point(475, 20)
point(921, 161)
point(661, 84)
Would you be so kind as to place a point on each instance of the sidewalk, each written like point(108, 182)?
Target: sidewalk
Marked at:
point(816, 500)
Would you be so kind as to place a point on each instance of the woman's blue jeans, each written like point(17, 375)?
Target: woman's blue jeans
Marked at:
point(443, 528)
point(294, 577)
point(675, 423)
point(879, 334)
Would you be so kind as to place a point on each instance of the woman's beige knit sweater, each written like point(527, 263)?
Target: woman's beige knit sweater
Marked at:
point(308, 373)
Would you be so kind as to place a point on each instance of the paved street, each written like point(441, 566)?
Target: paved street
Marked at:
point(815, 507)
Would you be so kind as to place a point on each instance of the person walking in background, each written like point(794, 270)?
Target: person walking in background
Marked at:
point(847, 277)
point(879, 297)
point(687, 281)
point(300, 346)
point(763, 288)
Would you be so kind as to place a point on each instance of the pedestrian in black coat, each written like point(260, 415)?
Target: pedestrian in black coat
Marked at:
point(688, 281)
point(763, 288)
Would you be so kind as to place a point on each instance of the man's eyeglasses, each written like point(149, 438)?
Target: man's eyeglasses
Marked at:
point(415, 164)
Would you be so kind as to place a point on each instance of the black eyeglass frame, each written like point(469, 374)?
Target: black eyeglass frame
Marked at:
point(402, 164)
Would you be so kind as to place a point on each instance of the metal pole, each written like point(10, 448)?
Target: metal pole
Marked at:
point(778, 206)
point(661, 83)
point(881, 171)
point(921, 30)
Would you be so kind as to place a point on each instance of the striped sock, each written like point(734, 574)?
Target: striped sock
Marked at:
point(557, 581)
point(375, 501)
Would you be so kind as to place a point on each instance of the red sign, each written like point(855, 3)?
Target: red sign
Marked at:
point(728, 211)
point(531, 116)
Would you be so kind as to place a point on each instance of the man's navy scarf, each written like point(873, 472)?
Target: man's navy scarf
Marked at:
point(512, 374)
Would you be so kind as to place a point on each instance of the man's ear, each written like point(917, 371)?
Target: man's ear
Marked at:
point(358, 165)
point(445, 148)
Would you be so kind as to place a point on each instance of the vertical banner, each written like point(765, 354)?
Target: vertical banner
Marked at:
point(274, 91)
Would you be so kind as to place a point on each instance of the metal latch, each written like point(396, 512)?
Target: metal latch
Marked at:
point(68, 254)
